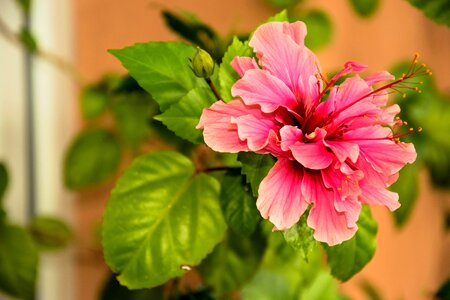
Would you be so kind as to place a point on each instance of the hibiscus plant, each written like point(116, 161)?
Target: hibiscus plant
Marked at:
point(292, 162)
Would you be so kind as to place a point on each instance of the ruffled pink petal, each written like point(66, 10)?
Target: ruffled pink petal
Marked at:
point(351, 207)
point(343, 181)
point(254, 130)
point(279, 47)
point(312, 155)
point(376, 195)
point(262, 88)
point(343, 150)
point(289, 136)
point(379, 76)
point(219, 133)
point(330, 226)
point(243, 64)
point(280, 199)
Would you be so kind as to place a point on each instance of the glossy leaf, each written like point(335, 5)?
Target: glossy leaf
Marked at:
point(233, 262)
point(320, 28)
point(162, 69)
point(183, 117)
point(407, 187)
point(300, 237)
point(18, 262)
point(436, 10)
point(351, 256)
point(93, 157)
point(323, 286)
point(94, 102)
point(255, 167)
point(238, 204)
point(161, 217)
point(227, 75)
point(365, 8)
point(133, 112)
point(3, 181)
point(266, 285)
point(50, 233)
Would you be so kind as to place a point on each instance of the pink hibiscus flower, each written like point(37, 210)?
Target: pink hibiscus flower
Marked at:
point(334, 144)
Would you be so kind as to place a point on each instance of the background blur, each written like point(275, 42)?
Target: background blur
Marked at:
point(409, 263)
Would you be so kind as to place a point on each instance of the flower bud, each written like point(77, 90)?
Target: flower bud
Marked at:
point(202, 64)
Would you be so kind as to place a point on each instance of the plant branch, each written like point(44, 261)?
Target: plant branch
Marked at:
point(213, 88)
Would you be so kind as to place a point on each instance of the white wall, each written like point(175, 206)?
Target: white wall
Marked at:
point(54, 104)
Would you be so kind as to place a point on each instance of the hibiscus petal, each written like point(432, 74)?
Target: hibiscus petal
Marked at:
point(243, 64)
point(280, 199)
point(379, 76)
point(376, 195)
point(279, 47)
point(219, 133)
point(312, 155)
point(254, 130)
point(289, 136)
point(260, 87)
point(343, 150)
point(330, 226)
point(351, 207)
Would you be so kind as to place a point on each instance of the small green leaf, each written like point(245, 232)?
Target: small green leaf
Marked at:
point(407, 188)
point(133, 112)
point(28, 40)
point(227, 75)
point(238, 204)
point(50, 233)
point(255, 167)
point(436, 10)
point(94, 102)
point(162, 69)
point(93, 157)
point(320, 28)
point(3, 181)
point(282, 16)
point(351, 256)
point(370, 290)
point(300, 237)
point(365, 8)
point(183, 117)
point(18, 262)
point(233, 262)
point(161, 219)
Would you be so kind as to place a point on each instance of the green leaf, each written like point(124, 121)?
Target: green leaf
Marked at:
point(266, 285)
point(323, 287)
point(351, 256)
point(300, 237)
point(436, 10)
point(320, 28)
point(282, 16)
point(94, 102)
point(161, 218)
point(444, 291)
point(227, 75)
point(50, 233)
point(407, 188)
point(255, 167)
point(365, 8)
point(238, 204)
point(183, 117)
point(92, 157)
point(3, 181)
point(370, 290)
point(162, 69)
point(233, 262)
point(18, 262)
point(195, 31)
point(28, 40)
point(112, 290)
point(133, 112)
point(25, 5)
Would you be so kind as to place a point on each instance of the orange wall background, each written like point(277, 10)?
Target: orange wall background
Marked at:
point(410, 262)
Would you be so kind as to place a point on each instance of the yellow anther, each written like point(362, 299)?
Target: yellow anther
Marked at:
point(411, 129)
point(419, 129)
point(404, 95)
point(312, 134)
point(405, 123)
